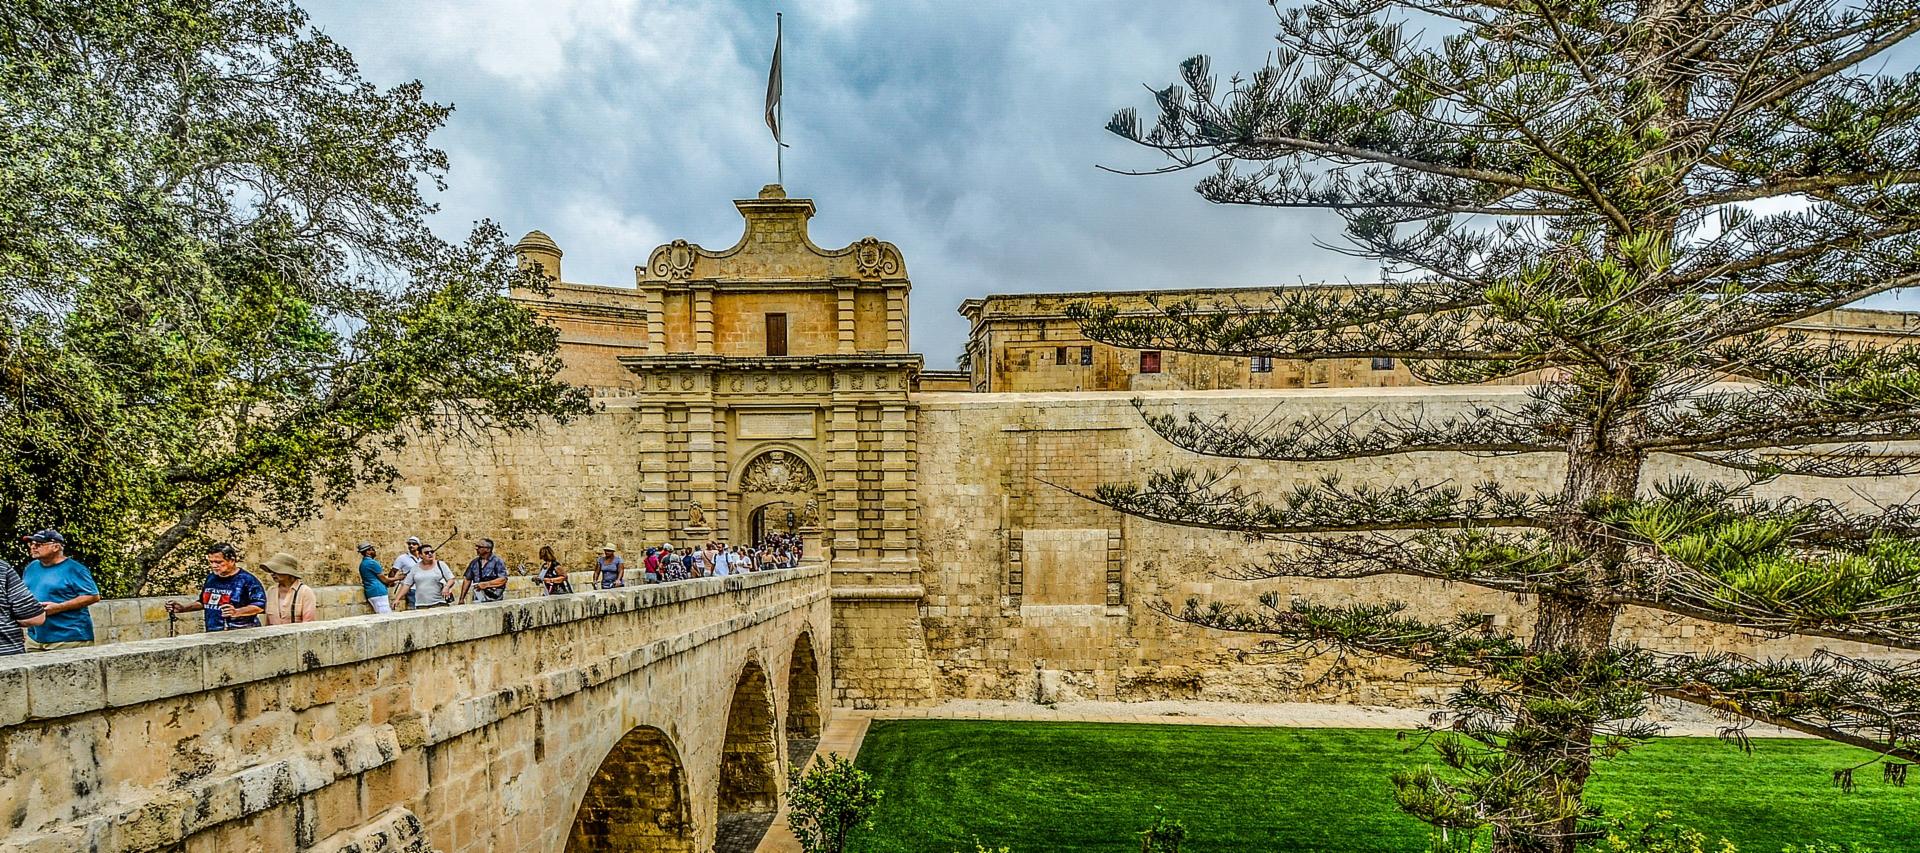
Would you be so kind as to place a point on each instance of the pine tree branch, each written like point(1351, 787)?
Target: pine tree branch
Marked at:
point(1208, 500)
point(1342, 435)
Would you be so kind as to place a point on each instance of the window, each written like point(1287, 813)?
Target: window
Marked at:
point(1086, 356)
point(1262, 364)
point(1059, 355)
point(1383, 362)
point(1150, 361)
point(776, 334)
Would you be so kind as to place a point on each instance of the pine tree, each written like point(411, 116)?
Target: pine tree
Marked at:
point(1623, 203)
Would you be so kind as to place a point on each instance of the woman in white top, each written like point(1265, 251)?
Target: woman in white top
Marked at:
point(426, 584)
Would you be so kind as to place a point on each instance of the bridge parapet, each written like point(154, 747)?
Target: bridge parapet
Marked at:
point(465, 728)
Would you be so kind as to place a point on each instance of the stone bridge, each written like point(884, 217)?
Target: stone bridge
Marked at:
point(634, 719)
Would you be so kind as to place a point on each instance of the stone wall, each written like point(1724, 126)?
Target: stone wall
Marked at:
point(475, 728)
point(1032, 591)
point(1012, 571)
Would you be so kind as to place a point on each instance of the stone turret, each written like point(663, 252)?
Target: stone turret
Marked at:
point(538, 250)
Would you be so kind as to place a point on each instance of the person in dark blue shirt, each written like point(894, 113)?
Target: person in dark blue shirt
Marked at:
point(231, 596)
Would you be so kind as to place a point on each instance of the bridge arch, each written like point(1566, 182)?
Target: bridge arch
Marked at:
point(749, 788)
point(802, 722)
point(637, 799)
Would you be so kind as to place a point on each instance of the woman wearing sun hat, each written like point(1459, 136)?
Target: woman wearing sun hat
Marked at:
point(290, 601)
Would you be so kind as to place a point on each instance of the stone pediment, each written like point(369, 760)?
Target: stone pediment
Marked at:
point(775, 248)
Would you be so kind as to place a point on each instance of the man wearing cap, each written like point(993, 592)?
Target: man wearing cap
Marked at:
point(18, 610)
point(373, 580)
point(404, 567)
point(613, 570)
point(486, 577)
point(65, 588)
point(231, 597)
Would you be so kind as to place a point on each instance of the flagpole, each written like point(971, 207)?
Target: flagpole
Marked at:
point(780, 113)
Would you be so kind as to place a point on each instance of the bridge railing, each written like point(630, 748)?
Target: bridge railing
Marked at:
point(47, 685)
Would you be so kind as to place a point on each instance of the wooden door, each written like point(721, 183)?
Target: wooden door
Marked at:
point(776, 334)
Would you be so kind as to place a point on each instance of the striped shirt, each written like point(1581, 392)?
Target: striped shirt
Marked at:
point(16, 603)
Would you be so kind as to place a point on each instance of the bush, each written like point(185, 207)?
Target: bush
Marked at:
point(829, 803)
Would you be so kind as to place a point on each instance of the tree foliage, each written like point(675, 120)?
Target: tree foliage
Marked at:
point(830, 803)
point(226, 305)
point(1630, 206)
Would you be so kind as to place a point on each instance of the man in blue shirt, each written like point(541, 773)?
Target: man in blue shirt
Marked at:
point(373, 580)
point(486, 577)
point(231, 597)
point(65, 588)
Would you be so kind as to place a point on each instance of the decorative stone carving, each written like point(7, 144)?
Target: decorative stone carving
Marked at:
point(696, 516)
point(874, 259)
point(674, 261)
point(810, 514)
point(778, 471)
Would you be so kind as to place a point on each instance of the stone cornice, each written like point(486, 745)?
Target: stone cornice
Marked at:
point(688, 361)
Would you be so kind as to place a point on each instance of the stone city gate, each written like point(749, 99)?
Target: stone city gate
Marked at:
point(646, 718)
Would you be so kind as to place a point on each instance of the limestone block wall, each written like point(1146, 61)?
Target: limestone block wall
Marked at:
point(476, 728)
point(1032, 591)
point(574, 487)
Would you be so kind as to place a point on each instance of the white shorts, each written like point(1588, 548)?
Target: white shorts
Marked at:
point(380, 604)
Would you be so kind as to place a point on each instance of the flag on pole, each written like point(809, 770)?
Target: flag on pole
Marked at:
point(773, 86)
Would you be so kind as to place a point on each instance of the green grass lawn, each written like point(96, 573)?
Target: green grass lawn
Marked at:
point(1061, 787)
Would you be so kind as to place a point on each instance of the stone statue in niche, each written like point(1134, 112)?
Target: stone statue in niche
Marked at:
point(810, 514)
point(696, 517)
point(778, 471)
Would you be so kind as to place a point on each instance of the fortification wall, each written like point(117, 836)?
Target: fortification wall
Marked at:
point(1030, 591)
point(1034, 592)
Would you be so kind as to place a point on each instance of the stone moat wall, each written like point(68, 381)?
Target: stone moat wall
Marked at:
point(1031, 592)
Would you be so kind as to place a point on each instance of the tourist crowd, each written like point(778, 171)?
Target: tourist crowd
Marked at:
point(45, 603)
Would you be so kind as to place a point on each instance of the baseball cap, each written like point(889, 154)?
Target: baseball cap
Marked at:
point(45, 536)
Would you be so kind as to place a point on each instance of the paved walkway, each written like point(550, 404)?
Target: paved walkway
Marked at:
point(849, 727)
point(843, 736)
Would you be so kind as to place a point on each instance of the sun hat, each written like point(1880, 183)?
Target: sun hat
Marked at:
point(608, 547)
point(364, 547)
point(283, 563)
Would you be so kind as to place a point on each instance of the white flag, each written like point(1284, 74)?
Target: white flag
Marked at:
point(773, 87)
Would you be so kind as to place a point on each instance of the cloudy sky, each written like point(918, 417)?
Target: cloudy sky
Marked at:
point(968, 133)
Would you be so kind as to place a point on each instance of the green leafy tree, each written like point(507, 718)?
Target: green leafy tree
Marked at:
point(1564, 192)
point(829, 803)
point(226, 308)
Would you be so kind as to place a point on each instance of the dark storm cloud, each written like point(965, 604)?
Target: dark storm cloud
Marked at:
point(966, 132)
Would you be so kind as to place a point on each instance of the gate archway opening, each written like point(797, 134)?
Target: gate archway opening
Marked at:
point(776, 517)
point(749, 764)
point(637, 799)
point(803, 702)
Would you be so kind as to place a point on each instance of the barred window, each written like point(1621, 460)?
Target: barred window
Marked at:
point(1150, 361)
point(1262, 364)
point(1383, 362)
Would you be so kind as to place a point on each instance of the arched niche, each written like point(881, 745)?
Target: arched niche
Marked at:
point(637, 799)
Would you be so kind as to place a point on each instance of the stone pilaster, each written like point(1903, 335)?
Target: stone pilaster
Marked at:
point(654, 300)
point(844, 312)
point(843, 482)
point(703, 319)
point(655, 520)
point(896, 319)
